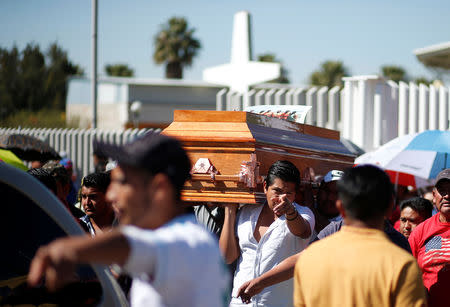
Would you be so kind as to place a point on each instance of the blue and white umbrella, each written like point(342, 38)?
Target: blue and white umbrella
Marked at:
point(422, 154)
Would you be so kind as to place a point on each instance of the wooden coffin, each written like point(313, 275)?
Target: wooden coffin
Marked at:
point(241, 147)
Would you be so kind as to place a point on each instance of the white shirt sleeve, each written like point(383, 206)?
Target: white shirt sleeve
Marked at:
point(143, 251)
point(307, 214)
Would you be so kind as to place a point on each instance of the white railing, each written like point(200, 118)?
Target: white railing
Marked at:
point(326, 104)
point(369, 111)
point(77, 143)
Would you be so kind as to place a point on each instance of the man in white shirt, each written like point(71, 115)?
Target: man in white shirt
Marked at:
point(173, 260)
point(261, 236)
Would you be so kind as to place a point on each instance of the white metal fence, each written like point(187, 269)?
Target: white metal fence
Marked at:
point(77, 143)
point(369, 111)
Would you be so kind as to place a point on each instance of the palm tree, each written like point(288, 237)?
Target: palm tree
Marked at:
point(119, 70)
point(394, 73)
point(270, 58)
point(330, 74)
point(176, 47)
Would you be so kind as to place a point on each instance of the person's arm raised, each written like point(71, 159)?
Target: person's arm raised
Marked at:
point(56, 261)
point(228, 241)
point(296, 223)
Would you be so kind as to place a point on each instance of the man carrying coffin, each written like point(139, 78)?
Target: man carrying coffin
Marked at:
point(261, 236)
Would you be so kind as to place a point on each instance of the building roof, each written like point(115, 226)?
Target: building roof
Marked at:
point(152, 82)
point(435, 56)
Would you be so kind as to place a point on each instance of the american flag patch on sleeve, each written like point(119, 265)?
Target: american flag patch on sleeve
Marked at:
point(437, 251)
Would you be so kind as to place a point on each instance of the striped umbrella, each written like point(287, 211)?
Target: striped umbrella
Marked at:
point(422, 155)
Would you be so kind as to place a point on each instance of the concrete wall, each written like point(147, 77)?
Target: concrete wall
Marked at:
point(159, 99)
point(159, 102)
point(110, 116)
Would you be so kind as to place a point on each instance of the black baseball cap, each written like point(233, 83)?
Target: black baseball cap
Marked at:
point(154, 153)
point(443, 175)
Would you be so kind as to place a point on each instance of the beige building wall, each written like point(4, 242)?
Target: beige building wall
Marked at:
point(110, 116)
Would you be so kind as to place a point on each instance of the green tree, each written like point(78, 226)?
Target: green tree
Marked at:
point(119, 70)
point(9, 80)
point(330, 74)
point(32, 81)
point(394, 73)
point(33, 74)
point(175, 46)
point(422, 80)
point(270, 58)
point(59, 68)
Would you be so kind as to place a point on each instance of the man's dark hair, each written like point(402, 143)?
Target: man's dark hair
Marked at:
point(284, 170)
point(366, 192)
point(99, 181)
point(58, 171)
point(44, 177)
point(421, 205)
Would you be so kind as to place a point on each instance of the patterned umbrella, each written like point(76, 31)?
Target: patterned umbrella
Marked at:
point(421, 155)
point(28, 148)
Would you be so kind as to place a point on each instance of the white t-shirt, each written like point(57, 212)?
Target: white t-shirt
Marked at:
point(178, 264)
point(256, 258)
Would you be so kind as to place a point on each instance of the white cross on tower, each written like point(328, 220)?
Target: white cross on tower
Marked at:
point(242, 71)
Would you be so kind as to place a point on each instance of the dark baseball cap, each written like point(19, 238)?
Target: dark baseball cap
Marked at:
point(58, 171)
point(443, 175)
point(154, 153)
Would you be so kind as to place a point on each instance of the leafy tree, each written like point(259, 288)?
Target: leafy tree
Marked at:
point(119, 70)
point(33, 74)
point(9, 80)
point(270, 58)
point(422, 80)
point(175, 46)
point(32, 81)
point(330, 74)
point(58, 70)
point(394, 73)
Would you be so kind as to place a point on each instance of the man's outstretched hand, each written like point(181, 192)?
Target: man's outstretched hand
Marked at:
point(55, 262)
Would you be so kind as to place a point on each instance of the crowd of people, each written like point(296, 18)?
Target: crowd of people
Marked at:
point(340, 248)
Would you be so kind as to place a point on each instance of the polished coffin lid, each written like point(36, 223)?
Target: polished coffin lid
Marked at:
point(231, 152)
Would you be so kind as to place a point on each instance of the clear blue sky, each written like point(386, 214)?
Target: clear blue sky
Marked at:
point(363, 34)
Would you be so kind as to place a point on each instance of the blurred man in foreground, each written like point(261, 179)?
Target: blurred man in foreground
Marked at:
point(359, 266)
point(173, 260)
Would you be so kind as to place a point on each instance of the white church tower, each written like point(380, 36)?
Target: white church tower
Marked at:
point(242, 72)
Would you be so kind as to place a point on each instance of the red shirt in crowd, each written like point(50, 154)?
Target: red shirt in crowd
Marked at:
point(430, 244)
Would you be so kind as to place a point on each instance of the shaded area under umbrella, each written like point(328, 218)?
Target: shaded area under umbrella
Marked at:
point(28, 147)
